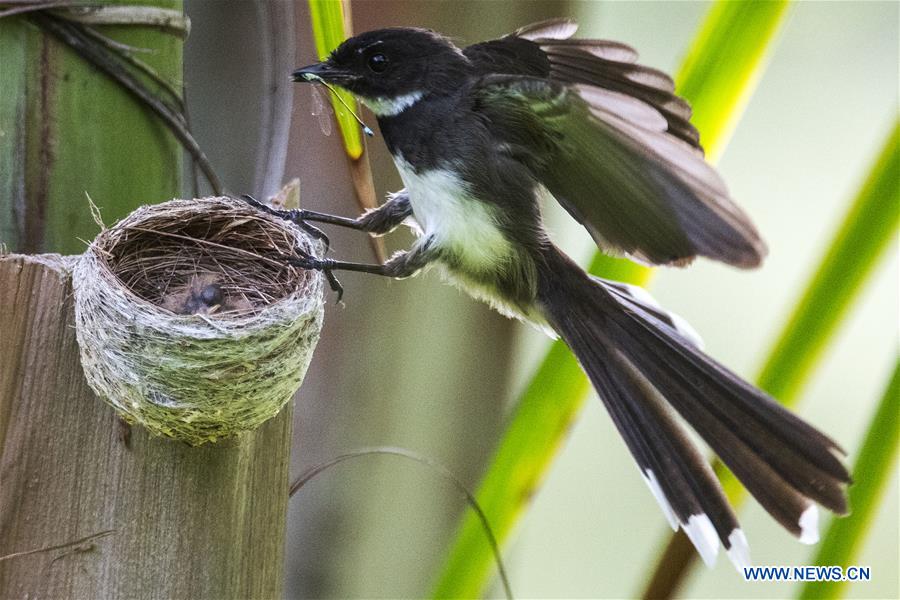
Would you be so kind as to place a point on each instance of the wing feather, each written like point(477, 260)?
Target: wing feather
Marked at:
point(612, 142)
point(554, 29)
point(623, 107)
point(605, 49)
point(615, 168)
point(545, 50)
point(594, 66)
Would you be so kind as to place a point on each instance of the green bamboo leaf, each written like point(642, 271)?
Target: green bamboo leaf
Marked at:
point(864, 235)
point(871, 473)
point(329, 30)
point(734, 39)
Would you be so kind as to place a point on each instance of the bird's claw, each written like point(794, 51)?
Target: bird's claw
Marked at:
point(335, 285)
point(296, 216)
point(304, 260)
point(260, 206)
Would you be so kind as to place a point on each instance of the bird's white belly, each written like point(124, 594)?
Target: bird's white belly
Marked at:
point(451, 219)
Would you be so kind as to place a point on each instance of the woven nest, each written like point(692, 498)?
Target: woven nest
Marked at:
point(190, 321)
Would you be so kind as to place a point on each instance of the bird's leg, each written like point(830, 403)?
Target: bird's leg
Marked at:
point(295, 216)
point(402, 264)
point(376, 221)
point(387, 217)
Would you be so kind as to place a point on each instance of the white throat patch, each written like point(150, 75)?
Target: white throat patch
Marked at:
point(391, 107)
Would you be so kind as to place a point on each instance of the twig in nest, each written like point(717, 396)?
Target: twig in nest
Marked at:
point(201, 241)
point(155, 260)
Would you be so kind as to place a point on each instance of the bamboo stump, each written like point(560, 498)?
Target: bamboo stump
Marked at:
point(203, 522)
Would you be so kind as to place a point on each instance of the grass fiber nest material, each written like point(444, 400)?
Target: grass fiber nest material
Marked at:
point(191, 322)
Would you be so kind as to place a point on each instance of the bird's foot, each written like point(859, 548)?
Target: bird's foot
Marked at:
point(307, 261)
point(296, 216)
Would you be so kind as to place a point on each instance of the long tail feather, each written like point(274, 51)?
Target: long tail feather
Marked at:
point(673, 468)
point(644, 362)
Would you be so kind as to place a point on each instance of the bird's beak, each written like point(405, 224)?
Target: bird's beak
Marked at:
point(323, 71)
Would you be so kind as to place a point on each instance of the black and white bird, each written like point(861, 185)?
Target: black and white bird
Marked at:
point(479, 136)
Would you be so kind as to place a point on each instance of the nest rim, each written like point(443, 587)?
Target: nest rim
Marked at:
point(104, 243)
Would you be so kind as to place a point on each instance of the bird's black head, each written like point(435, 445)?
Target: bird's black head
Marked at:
point(392, 68)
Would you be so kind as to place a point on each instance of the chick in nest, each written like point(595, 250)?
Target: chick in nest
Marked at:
point(204, 296)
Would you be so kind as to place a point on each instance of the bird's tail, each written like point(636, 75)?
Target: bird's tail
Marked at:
point(647, 365)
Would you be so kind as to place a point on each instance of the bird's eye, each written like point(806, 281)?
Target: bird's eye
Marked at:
point(378, 62)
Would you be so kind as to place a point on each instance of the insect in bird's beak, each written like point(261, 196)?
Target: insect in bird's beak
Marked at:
point(314, 74)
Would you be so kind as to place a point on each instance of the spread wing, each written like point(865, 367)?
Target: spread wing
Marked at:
point(608, 159)
point(612, 143)
point(545, 50)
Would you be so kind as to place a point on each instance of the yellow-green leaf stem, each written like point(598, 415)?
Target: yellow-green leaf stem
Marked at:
point(718, 90)
point(724, 64)
point(871, 473)
point(866, 231)
point(329, 30)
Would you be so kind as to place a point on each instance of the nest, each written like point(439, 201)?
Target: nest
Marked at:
point(191, 322)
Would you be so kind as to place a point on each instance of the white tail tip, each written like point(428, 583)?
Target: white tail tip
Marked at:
point(702, 534)
point(809, 525)
point(739, 552)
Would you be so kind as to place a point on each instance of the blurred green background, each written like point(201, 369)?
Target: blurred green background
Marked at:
point(419, 365)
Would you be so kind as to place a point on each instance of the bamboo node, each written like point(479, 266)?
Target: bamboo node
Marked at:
point(189, 320)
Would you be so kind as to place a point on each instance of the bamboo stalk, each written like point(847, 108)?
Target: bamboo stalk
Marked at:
point(69, 131)
point(187, 522)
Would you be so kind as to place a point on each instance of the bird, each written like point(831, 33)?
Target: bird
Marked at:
point(203, 295)
point(480, 135)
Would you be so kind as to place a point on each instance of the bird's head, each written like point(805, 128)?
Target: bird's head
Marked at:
point(391, 69)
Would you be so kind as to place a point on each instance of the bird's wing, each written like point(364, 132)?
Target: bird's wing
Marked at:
point(608, 158)
point(545, 50)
